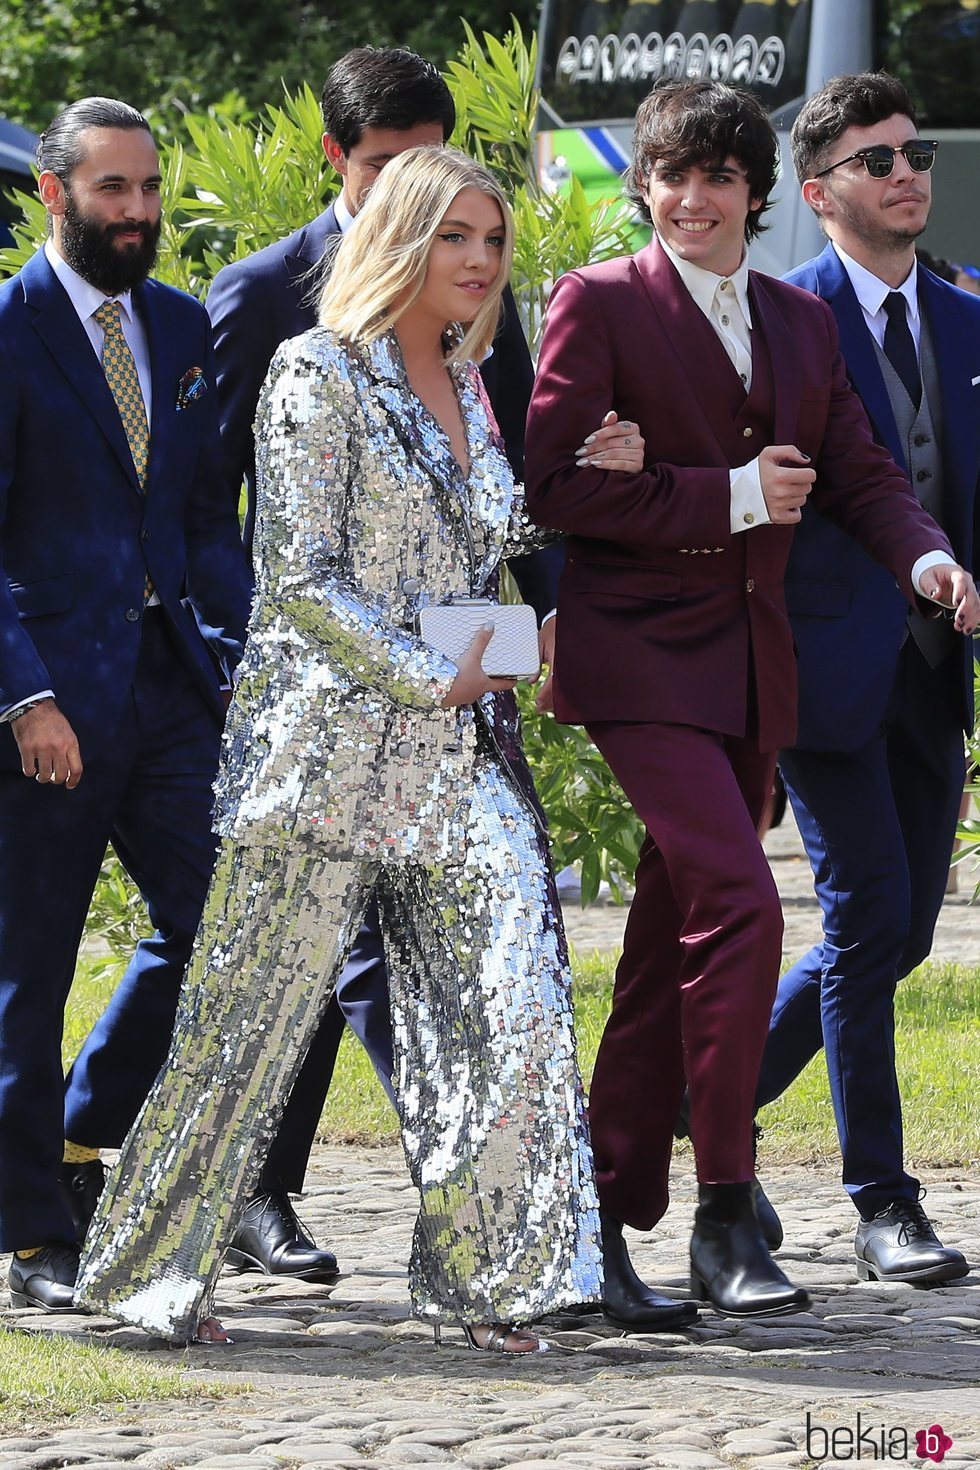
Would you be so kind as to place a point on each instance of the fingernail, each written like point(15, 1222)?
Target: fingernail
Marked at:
point(590, 439)
point(584, 460)
point(486, 627)
point(806, 457)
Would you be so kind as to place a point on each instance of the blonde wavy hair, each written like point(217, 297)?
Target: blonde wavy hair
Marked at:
point(379, 268)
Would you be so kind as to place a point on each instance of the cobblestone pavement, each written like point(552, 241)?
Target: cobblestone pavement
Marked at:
point(348, 1380)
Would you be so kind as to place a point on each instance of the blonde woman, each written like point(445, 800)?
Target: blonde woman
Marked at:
point(358, 758)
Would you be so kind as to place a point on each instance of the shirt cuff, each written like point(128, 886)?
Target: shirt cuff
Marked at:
point(931, 559)
point(748, 504)
point(548, 616)
point(8, 714)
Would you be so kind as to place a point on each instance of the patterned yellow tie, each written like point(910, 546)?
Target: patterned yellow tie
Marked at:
point(124, 384)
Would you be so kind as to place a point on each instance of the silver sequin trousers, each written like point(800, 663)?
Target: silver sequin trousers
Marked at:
point(490, 1099)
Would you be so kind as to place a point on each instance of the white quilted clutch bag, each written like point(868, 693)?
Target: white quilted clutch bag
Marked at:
point(512, 652)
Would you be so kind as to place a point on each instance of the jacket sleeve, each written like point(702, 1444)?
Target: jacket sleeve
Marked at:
point(245, 339)
point(308, 469)
point(663, 505)
point(219, 583)
point(22, 671)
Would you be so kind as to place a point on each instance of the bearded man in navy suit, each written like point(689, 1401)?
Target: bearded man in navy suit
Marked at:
point(124, 595)
point(876, 774)
point(376, 104)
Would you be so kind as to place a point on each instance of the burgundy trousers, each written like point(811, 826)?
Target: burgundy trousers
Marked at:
point(695, 986)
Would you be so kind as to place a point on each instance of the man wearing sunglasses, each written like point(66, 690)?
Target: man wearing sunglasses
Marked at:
point(877, 773)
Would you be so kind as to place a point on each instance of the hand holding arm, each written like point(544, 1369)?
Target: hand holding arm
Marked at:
point(614, 446)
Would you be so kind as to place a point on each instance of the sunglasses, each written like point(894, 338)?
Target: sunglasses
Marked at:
point(879, 159)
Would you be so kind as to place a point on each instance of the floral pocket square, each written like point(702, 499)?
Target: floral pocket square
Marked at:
point(193, 385)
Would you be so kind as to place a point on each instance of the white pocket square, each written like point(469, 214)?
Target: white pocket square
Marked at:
point(974, 381)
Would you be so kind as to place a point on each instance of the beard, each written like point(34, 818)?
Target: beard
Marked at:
point(89, 247)
point(873, 226)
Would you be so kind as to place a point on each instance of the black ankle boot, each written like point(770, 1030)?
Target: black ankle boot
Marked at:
point(627, 1302)
point(730, 1264)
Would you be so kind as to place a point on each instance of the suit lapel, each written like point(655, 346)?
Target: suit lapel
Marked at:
point(689, 336)
point(163, 377)
point(768, 320)
point(56, 323)
point(858, 349)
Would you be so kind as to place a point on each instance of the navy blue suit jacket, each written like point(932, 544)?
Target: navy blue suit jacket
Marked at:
point(257, 303)
point(77, 534)
point(847, 614)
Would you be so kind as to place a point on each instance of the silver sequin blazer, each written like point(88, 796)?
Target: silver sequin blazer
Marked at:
point(364, 516)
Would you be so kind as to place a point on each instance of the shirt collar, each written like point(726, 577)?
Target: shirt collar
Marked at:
point(85, 298)
point(871, 290)
point(341, 213)
point(703, 284)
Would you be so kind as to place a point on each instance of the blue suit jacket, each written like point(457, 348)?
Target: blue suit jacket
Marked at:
point(257, 303)
point(847, 614)
point(77, 534)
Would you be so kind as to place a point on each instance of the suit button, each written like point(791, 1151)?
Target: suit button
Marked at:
point(746, 433)
point(404, 749)
point(410, 586)
point(921, 439)
point(923, 475)
point(750, 585)
point(748, 518)
point(132, 615)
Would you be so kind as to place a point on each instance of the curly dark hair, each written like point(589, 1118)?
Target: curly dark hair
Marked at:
point(704, 123)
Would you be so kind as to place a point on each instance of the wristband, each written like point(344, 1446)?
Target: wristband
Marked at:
point(33, 704)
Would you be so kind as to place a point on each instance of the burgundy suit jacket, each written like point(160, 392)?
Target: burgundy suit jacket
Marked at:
point(664, 613)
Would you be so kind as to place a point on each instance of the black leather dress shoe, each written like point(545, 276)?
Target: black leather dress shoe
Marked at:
point(270, 1239)
point(730, 1263)
point(83, 1184)
point(899, 1244)
point(46, 1279)
point(627, 1302)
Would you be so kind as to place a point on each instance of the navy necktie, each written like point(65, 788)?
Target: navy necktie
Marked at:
point(900, 347)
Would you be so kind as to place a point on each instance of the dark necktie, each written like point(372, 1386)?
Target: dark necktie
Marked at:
point(900, 347)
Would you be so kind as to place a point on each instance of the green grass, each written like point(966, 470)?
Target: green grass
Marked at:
point(46, 1380)
point(936, 1041)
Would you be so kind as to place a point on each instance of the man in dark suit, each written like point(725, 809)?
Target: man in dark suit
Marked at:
point(123, 601)
point(876, 774)
point(675, 650)
point(376, 103)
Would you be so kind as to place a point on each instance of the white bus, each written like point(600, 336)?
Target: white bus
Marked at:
point(599, 58)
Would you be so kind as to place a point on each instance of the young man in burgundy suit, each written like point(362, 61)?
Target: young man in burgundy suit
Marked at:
point(674, 646)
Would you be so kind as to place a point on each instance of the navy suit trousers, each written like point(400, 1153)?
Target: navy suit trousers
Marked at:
point(148, 792)
point(878, 826)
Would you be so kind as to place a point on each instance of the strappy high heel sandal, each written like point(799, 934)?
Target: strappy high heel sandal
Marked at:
point(497, 1338)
